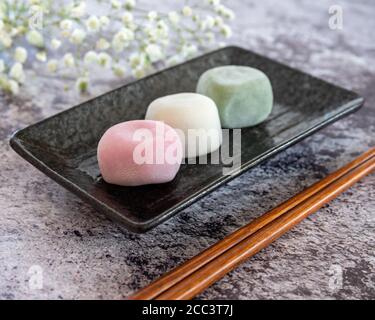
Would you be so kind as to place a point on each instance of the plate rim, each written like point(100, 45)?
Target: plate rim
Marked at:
point(16, 143)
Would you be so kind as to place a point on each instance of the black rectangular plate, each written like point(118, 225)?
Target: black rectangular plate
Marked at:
point(64, 146)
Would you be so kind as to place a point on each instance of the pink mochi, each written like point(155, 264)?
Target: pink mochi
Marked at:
point(139, 152)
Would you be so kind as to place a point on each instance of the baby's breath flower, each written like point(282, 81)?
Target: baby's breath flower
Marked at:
point(35, 38)
point(104, 60)
point(93, 24)
point(14, 87)
point(175, 59)
point(116, 4)
point(104, 22)
point(79, 10)
point(224, 12)
point(41, 56)
point(219, 9)
point(187, 11)
point(127, 18)
point(219, 21)
point(202, 25)
point(5, 39)
point(77, 36)
point(2, 66)
point(174, 17)
point(210, 36)
point(210, 22)
point(82, 84)
point(3, 81)
point(152, 16)
point(162, 29)
point(102, 44)
point(55, 44)
point(36, 8)
point(90, 57)
point(117, 44)
point(20, 55)
point(122, 39)
point(226, 31)
point(154, 52)
point(130, 4)
point(126, 34)
point(155, 36)
point(136, 59)
point(151, 33)
point(2, 9)
point(65, 33)
point(17, 73)
point(229, 14)
point(66, 25)
point(139, 72)
point(189, 50)
point(119, 70)
point(213, 2)
point(52, 65)
point(68, 60)
point(9, 85)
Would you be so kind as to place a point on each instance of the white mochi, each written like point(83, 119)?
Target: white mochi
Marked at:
point(195, 118)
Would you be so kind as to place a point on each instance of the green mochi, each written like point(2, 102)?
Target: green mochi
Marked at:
point(242, 94)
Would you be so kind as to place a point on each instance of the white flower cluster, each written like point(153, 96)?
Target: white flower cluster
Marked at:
point(125, 40)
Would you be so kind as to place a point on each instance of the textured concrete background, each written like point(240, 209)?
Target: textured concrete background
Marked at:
point(329, 256)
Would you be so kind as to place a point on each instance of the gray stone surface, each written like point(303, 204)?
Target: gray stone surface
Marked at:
point(329, 256)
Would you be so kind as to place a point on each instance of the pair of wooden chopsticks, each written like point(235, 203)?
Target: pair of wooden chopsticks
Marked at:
point(194, 276)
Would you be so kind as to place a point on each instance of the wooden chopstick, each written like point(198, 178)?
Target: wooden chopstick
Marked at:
point(172, 278)
point(197, 282)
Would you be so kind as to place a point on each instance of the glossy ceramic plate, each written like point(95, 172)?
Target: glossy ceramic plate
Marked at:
point(64, 146)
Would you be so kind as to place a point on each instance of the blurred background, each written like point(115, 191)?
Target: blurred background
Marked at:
point(77, 50)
